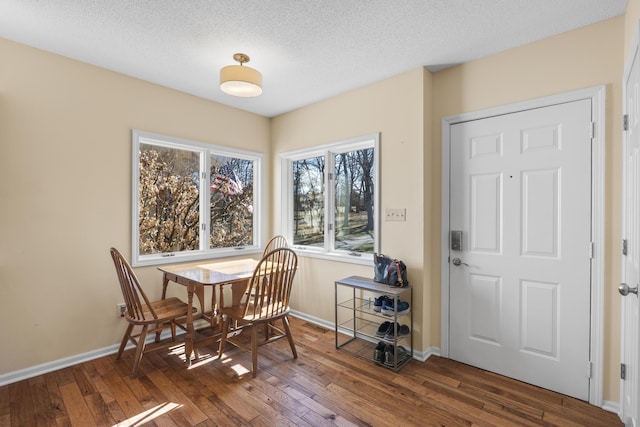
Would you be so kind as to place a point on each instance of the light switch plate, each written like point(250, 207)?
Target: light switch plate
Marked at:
point(395, 214)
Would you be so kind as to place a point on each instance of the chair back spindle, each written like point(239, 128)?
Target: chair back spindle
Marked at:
point(276, 242)
point(134, 296)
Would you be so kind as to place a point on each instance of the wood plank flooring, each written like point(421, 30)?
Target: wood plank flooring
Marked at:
point(323, 387)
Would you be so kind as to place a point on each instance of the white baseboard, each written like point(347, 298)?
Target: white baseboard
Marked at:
point(34, 371)
point(311, 319)
point(418, 355)
point(424, 355)
point(610, 406)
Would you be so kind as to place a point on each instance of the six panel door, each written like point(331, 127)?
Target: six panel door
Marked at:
point(521, 195)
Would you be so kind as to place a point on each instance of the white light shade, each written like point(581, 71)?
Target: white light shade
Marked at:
point(238, 80)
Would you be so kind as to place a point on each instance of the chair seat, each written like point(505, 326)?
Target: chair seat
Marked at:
point(238, 313)
point(165, 309)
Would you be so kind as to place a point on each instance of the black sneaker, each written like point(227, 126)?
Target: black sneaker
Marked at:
point(401, 331)
point(378, 352)
point(389, 356)
point(383, 329)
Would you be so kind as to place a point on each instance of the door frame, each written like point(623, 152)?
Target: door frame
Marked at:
point(597, 95)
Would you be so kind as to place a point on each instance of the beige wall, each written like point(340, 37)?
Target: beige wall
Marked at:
point(631, 20)
point(395, 108)
point(65, 191)
point(586, 57)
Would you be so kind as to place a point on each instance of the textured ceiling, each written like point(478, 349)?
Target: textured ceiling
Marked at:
point(307, 50)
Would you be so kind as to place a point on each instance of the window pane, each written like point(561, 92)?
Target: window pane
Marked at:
point(354, 222)
point(169, 208)
point(231, 202)
point(308, 202)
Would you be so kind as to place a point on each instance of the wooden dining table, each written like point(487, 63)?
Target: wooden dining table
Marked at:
point(195, 276)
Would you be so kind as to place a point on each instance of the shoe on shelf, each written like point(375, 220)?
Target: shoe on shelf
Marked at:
point(389, 355)
point(378, 302)
point(383, 329)
point(401, 331)
point(378, 352)
point(387, 307)
point(386, 329)
point(404, 331)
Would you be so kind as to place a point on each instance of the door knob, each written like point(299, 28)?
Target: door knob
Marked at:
point(457, 261)
point(625, 290)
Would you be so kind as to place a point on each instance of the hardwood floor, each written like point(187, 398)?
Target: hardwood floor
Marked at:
point(324, 386)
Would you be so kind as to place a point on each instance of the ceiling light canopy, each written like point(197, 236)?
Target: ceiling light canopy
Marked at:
point(238, 80)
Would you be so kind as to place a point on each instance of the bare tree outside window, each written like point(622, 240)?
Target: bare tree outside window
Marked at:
point(354, 186)
point(331, 196)
point(308, 202)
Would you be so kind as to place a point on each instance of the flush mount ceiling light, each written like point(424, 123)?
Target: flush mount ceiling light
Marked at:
point(238, 80)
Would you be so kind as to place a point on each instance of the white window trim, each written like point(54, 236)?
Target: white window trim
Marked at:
point(138, 137)
point(286, 160)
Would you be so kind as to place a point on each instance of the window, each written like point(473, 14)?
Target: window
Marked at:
point(330, 199)
point(192, 200)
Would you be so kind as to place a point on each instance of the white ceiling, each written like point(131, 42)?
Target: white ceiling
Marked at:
point(307, 50)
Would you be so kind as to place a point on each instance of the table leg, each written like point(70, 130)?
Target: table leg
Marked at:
point(214, 308)
point(199, 292)
point(188, 342)
point(165, 282)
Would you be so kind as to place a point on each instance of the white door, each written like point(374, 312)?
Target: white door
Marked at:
point(520, 193)
point(631, 234)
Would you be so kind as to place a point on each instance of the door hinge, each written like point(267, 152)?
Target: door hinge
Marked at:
point(591, 249)
point(593, 130)
point(330, 227)
point(623, 371)
point(330, 176)
point(589, 369)
point(624, 247)
point(625, 122)
point(204, 227)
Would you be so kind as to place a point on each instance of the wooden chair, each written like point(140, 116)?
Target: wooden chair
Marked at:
point(276, 242)
point(150, 316)
point(270, 286)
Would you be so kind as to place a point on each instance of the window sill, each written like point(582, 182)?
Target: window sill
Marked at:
point(337, 257)
point(179, 259)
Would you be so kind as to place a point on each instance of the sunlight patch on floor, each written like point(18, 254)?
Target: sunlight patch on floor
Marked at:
point(148, 415)
point(203, 359)
point(176, 350)
point(237, 368)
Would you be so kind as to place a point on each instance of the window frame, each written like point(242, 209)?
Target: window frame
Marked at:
point(206, 151)
point(328, 251)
